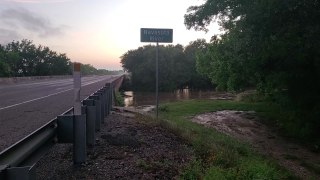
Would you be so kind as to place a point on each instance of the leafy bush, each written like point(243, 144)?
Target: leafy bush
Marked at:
point(118, 99)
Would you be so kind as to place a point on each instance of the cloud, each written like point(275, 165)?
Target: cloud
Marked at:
point(7, 36)
point(38, 1)
point(30, 21)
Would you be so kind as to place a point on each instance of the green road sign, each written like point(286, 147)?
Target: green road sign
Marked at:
point(156, 35)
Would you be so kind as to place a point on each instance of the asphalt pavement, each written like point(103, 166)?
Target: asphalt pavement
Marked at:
point(26, 106)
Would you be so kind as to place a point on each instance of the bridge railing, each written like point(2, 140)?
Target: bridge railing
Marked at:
point(19, 160)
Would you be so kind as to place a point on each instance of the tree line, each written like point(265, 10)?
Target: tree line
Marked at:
point(270, 45)
point(24, 58)
point(176, 67)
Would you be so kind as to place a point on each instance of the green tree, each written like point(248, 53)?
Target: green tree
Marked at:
point(4, 67)
point(226, 65)
point(197, 80)
point(23, 58)
point(87, 69)
point(26, 59)
point(141, 64)
point(176, 67)
point(61, 64)
point(270, 44)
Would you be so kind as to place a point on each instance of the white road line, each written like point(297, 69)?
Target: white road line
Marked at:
point(7, 107)
point(37, 83)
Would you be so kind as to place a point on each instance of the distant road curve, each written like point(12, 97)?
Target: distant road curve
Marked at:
point(27, 105)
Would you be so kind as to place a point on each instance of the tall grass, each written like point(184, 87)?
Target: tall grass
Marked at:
point(118, 99)
point(218, 156)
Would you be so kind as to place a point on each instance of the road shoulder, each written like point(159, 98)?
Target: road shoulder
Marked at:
point(127, 147)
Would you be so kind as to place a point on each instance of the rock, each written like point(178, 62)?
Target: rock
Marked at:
point(121, 140)
point(121, 144)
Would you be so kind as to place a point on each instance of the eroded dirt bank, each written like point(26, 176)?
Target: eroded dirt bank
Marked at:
point(245, 127)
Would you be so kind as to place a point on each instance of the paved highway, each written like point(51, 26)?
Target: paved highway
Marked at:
point(26, 106)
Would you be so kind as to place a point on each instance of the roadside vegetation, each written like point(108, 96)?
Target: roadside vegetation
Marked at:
point(270, 46)
point(118, 99)
point(219, 156)
point(177, 67)
point(24, 58)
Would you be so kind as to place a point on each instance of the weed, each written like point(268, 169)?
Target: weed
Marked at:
point(118, 99)
point(193, 171)
point(143, 164)
point(218, 156)
point(163, 108)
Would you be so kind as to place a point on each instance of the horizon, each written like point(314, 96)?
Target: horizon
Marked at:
point(95, 32)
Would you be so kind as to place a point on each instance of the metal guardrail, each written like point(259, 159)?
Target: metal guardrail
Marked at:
point(18, 161)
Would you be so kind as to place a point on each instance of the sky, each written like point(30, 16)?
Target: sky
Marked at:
point(96, 32)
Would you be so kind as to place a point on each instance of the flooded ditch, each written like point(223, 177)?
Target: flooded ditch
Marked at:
point(242, 125)
point(147, 100)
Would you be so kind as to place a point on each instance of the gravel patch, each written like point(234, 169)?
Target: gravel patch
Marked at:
point(126, 148)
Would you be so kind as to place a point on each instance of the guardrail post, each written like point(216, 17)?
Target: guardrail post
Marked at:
point(111, 96)
point(16, 173)
point(91, 121)
point(105, 92)
point(99, 94)
point(104, 97)
point(79, 142)
point(107, 87)
point(98, 111)
point(77, 126)
point(65, 128)
point(83, 109)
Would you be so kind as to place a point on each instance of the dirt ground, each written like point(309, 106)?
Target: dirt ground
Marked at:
point(130, 148)
point(126, 148)
point(245, 127)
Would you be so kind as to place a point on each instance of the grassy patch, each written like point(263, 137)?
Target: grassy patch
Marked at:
point(153, 165)
point(219, 156)
point(118, 99)
point(143, 164)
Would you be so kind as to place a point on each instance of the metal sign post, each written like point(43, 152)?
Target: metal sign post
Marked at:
point(156, 35)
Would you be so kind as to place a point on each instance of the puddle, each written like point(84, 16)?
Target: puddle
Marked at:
point(240, 123)
point(146, 108)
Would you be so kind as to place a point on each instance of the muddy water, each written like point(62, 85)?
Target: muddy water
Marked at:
point(149, 98)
